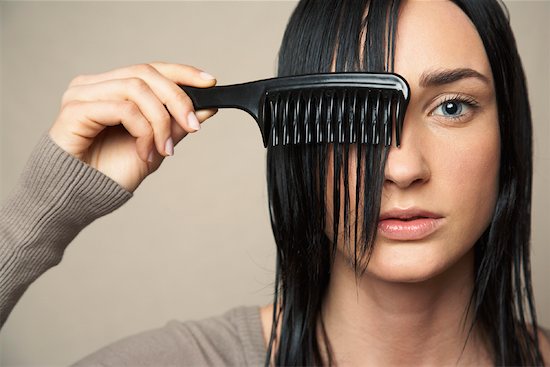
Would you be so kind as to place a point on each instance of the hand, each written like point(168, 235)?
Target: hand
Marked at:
point(125, 121)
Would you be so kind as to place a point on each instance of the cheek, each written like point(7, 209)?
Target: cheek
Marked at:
point(463, 186)
point(469, 181)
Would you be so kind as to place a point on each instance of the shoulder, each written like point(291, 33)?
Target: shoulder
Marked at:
point(544, 344)
point(234, 338)
point(238, 331)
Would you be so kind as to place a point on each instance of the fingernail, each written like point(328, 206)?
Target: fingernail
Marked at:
point(193, 122)
point(150, 157)
point(204, 75)
point(169, 147)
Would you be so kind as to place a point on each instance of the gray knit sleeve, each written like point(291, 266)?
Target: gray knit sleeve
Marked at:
point(57, 196)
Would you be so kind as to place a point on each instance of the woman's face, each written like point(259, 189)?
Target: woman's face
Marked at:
point(441, 185)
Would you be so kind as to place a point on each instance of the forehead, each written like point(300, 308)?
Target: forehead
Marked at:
point(434, 35)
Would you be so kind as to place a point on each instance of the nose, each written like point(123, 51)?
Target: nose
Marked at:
point(407, 165)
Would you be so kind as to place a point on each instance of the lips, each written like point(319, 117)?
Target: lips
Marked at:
point(408, 224)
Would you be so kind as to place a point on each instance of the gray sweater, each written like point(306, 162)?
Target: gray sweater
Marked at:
point(57, 196)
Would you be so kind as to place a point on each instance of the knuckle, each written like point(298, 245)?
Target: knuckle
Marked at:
point(144, 69)
point(128, 109)
point(147, 133)
point(69, 110)
point(66, 97)
point(156, 64)
point(182, 98)
point(78, 80)
point(164, 118)
point(71, 106)
point(137, 84)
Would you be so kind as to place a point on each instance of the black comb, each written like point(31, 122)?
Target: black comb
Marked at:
point(346, 107)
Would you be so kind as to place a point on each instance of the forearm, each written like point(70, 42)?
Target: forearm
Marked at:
point(57, 197)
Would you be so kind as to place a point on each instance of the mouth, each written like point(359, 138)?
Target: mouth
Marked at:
point(408, 224)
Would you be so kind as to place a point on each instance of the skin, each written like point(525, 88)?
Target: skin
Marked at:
point(126, 121)
point(117, 121)
point(414, 293)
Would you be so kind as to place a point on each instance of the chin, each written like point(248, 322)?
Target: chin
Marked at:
point(410, 262)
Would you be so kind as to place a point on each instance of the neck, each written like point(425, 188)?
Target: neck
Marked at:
point(421, 323)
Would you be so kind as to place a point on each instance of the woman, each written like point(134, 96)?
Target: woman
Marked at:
point(408, 262)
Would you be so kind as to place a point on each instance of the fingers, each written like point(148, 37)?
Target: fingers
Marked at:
point(151, 88)
point(178, 133)
point(185, 74)
point(91, 118)
point(163, 79)
point(178, 73)
point(131, 89)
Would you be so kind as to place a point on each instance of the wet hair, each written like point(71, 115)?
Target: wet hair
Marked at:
point(325, 36)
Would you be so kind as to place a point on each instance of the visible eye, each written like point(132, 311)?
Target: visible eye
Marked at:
point(455, 108)
point(451, 108)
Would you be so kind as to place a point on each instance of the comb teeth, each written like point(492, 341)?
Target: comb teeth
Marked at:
point(333, 115)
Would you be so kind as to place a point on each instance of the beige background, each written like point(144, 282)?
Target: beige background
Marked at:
point(195, 240)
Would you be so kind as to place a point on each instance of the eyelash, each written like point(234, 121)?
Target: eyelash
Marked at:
point(469, 102)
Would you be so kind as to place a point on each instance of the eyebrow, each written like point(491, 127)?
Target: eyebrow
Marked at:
point(447, 76)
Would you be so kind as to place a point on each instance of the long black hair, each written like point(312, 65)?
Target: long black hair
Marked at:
point(325, 36)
